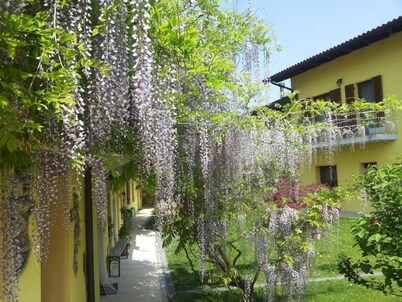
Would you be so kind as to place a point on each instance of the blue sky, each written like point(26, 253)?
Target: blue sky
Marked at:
point(306, 27)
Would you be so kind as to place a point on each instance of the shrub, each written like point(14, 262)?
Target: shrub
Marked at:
point(126, 228)
point(378, 234)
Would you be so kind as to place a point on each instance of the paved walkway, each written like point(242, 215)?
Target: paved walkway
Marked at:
point(144, 275)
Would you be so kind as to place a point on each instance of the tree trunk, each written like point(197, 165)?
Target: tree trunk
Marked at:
point(248, 293)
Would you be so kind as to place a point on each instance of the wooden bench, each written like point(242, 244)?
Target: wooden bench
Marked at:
point(119, 250)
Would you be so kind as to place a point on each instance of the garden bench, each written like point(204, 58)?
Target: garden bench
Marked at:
point(119, 250)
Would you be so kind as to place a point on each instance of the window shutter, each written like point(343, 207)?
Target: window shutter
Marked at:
point(335, 96)
point(377, 88)
point(350, 93)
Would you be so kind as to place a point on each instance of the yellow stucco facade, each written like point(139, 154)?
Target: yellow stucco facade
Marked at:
point(56, 279)
point(30, 279)
point(128, 196)
point(382, 58)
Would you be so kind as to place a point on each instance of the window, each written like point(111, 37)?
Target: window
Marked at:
point(371, 91)
point(324, 97)
point(366, 165)
point(328, 176)
point(332, 96)
point(366, 91)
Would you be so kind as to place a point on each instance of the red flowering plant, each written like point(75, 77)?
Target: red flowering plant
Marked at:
point(316, 204)
point(291, 194)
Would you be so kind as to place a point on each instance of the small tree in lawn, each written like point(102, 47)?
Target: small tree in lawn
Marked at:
point(378, 234)
point(228, 219)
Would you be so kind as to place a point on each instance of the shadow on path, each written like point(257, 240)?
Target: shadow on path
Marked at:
point(144, 275)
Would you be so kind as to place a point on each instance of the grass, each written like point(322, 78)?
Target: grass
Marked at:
point(344, 291)
point(338, 242)
point(328, 291)
point(183, 277)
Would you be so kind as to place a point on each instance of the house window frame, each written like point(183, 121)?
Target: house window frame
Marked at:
point(332, 172)
point(353, 88)
point(333, 96)
point(364, 166)
point(360, 87)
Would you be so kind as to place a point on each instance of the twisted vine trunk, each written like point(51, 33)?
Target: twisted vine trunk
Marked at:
point(220, 259)
point(248, 291)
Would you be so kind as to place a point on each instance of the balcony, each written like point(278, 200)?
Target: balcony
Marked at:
point(355, 128)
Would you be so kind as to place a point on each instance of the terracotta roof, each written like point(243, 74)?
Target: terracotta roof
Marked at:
point(374, 35)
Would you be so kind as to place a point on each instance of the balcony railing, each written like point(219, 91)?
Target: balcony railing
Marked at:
point(355, 128)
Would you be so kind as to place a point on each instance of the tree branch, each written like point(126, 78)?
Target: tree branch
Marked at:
point(189, 260)
point(230, 243)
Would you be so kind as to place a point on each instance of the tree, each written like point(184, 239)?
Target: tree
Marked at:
point(378, 233)
point(226, 216)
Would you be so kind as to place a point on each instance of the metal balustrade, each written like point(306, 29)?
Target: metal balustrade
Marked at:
point(354, 128)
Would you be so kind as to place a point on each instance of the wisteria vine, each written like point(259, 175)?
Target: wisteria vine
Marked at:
point(151, 83)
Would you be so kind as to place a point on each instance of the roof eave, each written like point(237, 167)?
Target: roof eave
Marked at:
point(363, 40)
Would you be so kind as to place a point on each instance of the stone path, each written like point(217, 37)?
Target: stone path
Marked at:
point(144, 275)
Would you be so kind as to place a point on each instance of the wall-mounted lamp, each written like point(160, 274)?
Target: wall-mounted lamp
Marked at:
point(339, 82)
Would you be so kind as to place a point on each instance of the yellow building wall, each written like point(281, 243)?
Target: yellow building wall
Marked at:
point(135, 196)
point(118, 208)
point(30, 281)
point(55, 280)
point(30, 276)
point(382, 58)
point(58, 280)
point(77, 285)
point(115, 218)
point(349, 162)
point(139, 197)
point(55, 277)
point(96, 253)
point(129, 196)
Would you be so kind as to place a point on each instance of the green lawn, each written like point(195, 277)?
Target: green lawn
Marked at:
point(328, 291)
point(328, 249)
point(344, 291)
point(338, 241)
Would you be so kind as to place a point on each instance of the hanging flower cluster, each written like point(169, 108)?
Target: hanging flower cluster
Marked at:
point(239, 171)
point(16, 201)
point(104, 94)
point(52, 187)
point(234, 164)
